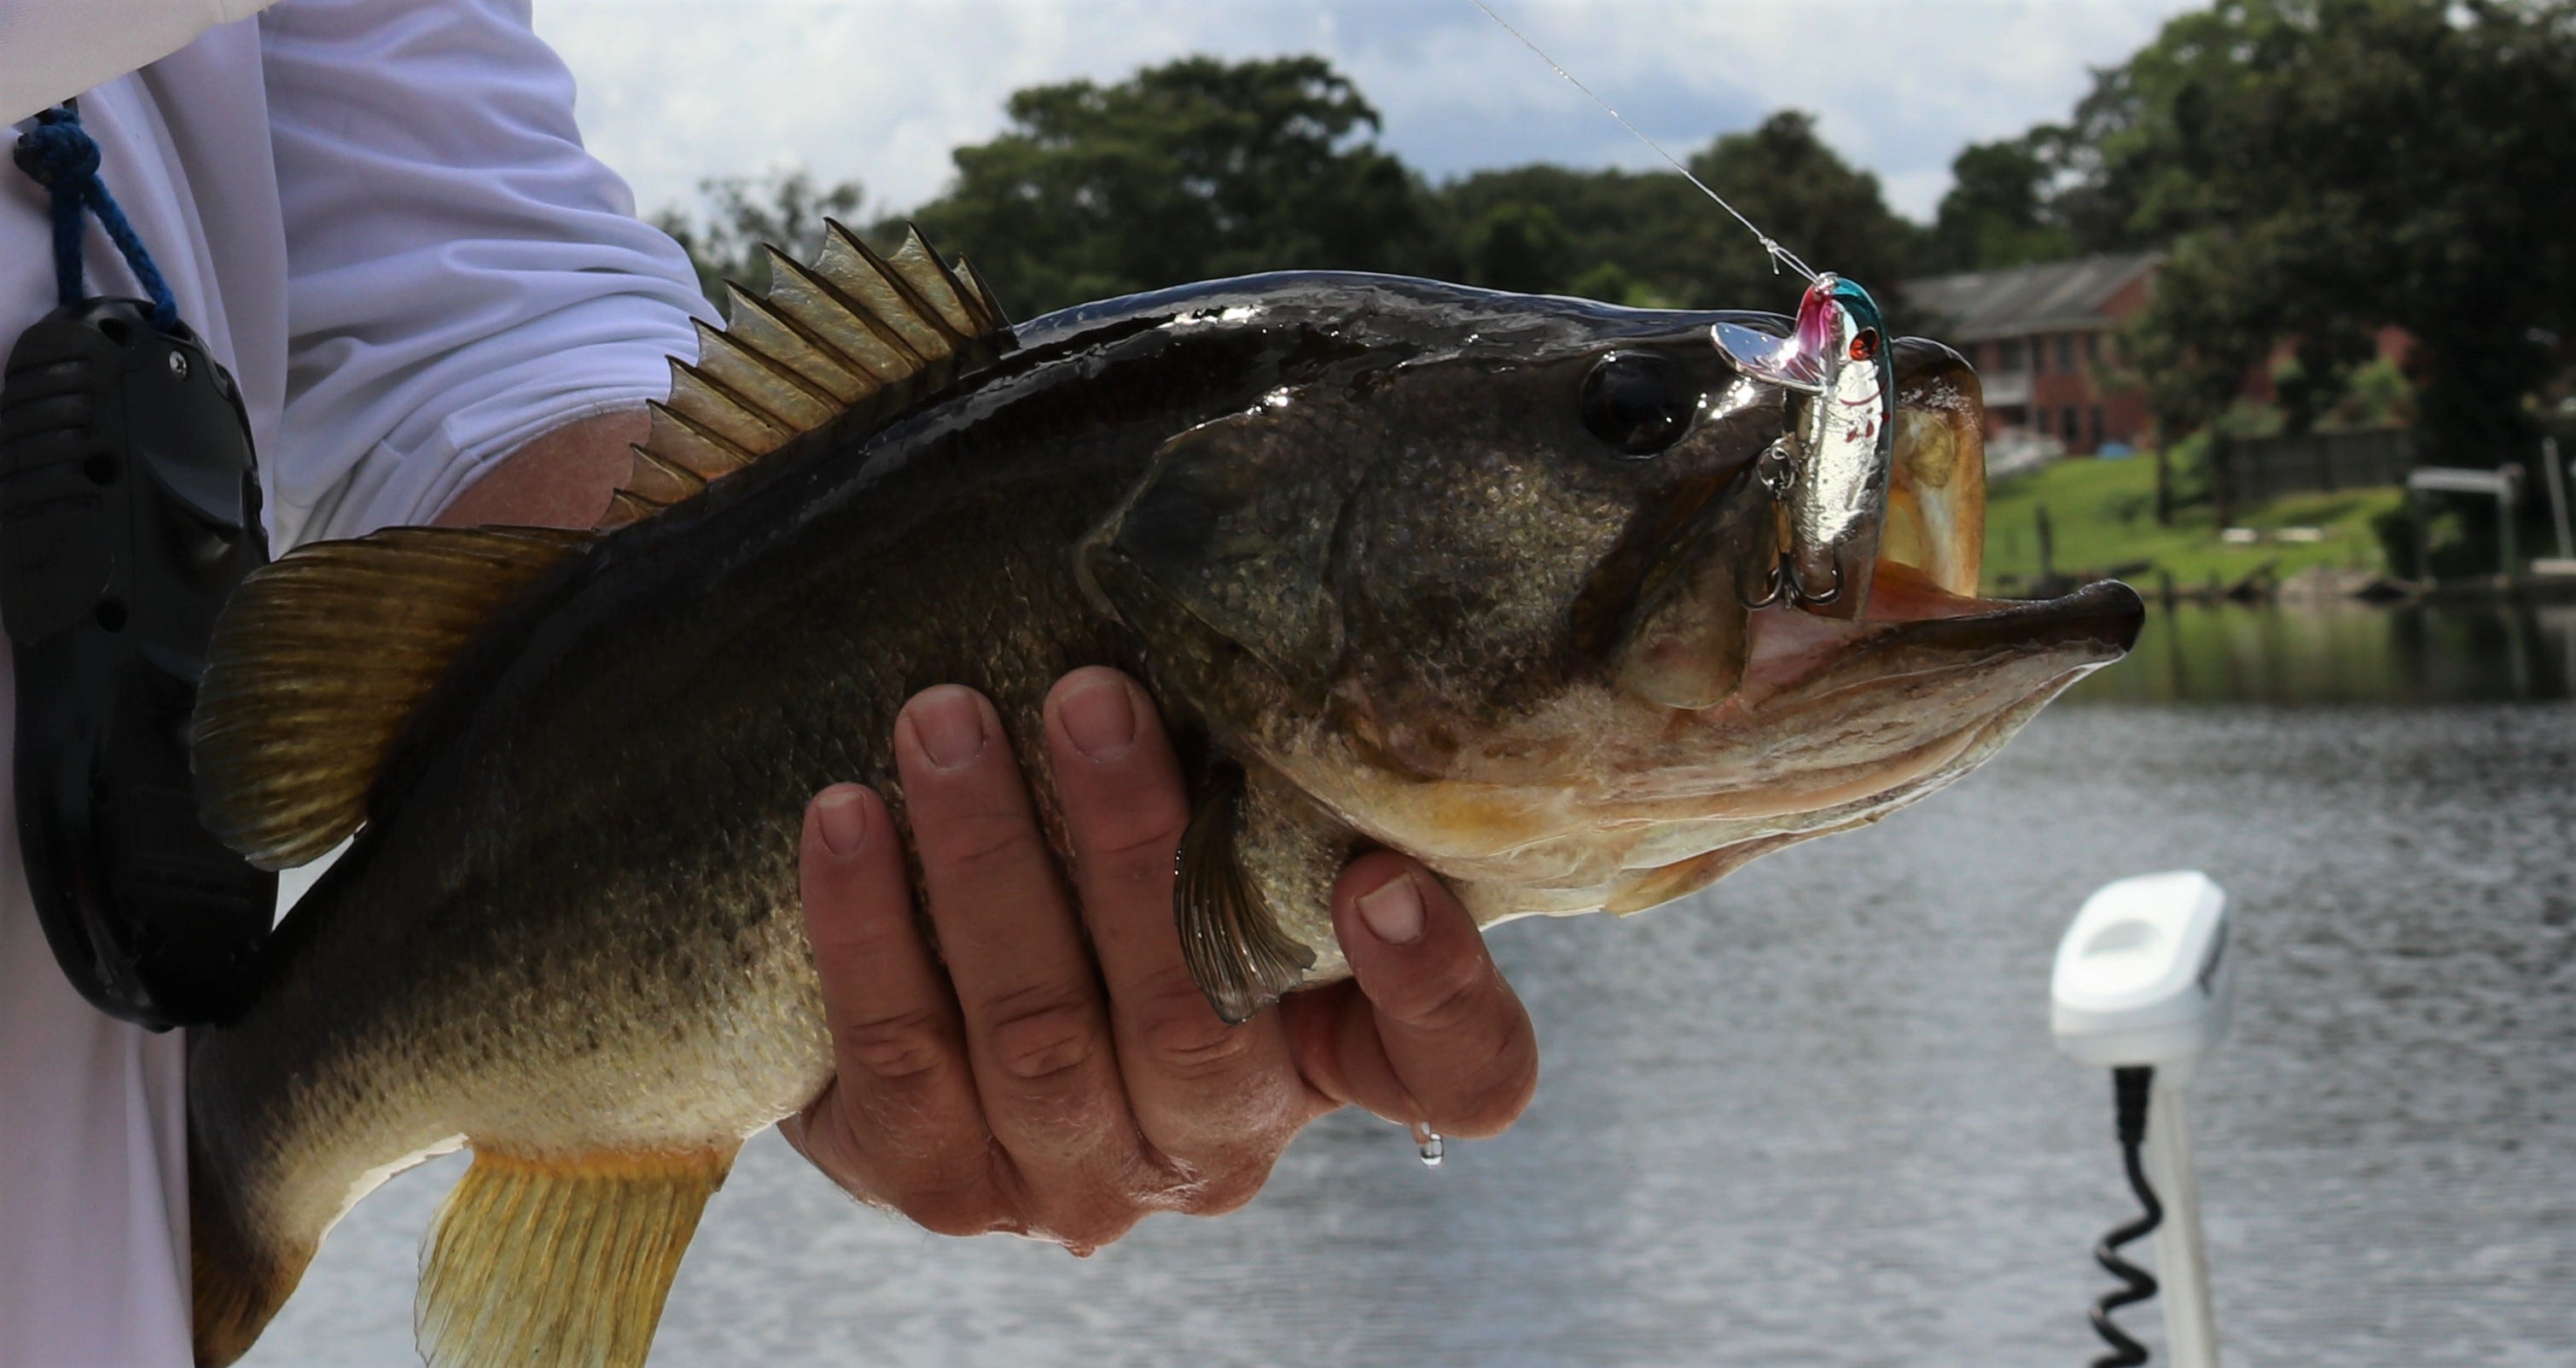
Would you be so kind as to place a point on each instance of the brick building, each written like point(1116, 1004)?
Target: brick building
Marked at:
point(2038, 336)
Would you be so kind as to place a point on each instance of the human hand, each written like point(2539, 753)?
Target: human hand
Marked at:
point(1017, 1087)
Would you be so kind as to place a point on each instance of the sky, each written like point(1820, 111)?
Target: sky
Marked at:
point(674, 91)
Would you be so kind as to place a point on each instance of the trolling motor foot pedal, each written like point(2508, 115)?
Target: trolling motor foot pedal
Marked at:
point(2143, 986)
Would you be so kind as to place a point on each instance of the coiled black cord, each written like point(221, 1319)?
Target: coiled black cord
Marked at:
point(2129, 1097)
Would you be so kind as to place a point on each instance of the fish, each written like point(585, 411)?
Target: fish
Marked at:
point(1404, 564)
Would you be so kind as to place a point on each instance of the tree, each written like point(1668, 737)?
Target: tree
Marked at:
point(1193, 169)
point(1811, 201)
point(2326, 167)
point(1626, 237)
point(1997, 212)
point(1518, 246)
point(725, 235)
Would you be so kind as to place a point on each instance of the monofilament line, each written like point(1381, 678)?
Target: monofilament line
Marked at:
point(1779, 254)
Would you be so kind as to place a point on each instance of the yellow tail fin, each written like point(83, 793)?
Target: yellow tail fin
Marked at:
point(549, 1263)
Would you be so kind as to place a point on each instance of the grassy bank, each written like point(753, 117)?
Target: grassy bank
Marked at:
point(2103, 515)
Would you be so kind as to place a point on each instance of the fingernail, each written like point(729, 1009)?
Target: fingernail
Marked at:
point(1394, 911)
point(1099, 718)
point(950, 726)
point(840, 813)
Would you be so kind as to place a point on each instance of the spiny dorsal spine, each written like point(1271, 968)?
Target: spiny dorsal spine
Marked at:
point(852, 330)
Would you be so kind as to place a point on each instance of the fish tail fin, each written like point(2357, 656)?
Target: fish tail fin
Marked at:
point(553, 1263)
point(239, 1275)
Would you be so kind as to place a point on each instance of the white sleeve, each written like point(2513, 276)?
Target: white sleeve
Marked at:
point(461, 275)
point(51, 50)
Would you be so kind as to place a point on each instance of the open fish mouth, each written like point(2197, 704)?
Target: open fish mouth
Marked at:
point(1924, 611)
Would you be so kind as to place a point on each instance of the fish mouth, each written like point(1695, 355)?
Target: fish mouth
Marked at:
point(1923, 613)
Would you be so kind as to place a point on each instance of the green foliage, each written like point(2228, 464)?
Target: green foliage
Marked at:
point(2375, 395)
point(2101, 517)
point(1997, 212)
point(1783, 177)
point(1518, 246)
point(738, 215)
point(1194, 169)
point(1202, 168)
point(1627, 237)
point(2325, 167)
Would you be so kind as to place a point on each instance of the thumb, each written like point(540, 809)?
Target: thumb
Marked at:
point(1438, 1036)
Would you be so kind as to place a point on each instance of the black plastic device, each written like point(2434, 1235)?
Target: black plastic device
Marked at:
point(129, 509)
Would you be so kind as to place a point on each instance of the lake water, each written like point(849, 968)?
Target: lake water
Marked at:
point(1814, 1116)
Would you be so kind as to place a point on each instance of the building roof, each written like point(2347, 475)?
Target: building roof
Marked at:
point(2053, 296)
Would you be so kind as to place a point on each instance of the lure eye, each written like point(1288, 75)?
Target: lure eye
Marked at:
point(1865, 344)
point(1637, 403)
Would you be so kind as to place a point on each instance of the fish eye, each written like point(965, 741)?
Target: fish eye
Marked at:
point(1637, 403)
point(1865, 345)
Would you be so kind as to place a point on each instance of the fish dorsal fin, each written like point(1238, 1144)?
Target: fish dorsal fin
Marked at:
point(851, 330)
point(318, 661)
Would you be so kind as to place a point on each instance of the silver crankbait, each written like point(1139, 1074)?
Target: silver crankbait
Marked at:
point(1834, 460)
point(1830, 469)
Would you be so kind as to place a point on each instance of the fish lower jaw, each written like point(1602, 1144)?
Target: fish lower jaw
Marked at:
point(1790, 645)
point(1646, 864)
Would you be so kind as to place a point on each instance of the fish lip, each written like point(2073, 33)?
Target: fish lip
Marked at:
point(2092, 626)
point(2106, 613)
point(2099, 623)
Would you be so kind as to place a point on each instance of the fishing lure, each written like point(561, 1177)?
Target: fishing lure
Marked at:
point(1830, 468)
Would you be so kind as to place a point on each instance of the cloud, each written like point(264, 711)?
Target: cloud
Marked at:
point(673, 91)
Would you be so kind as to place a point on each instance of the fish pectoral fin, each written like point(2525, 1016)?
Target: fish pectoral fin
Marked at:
point(553, 1263)
point(318, 661)
point(1230, 938)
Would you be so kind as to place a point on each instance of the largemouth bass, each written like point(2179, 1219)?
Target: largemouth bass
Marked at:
point(1406, 564)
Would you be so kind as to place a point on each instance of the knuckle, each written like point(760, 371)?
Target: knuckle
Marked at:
point(894, 1048)
point(1229, 1187)
point(952, 1211)
point(1137, 842)
point(1492, 1109)
point(1042, 1034)
point(1188, 1041)
point(1094, 1225)
point(982, 839)
point(1232, 1193)
point(1454, 996)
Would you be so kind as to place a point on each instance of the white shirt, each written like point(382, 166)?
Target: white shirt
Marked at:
point(379, 215)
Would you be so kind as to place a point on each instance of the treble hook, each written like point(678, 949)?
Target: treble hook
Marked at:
point(1774, 586)
point(1783, 585)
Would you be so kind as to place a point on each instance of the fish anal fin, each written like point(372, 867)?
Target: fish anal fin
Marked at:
point(1231, 938)
point(317, 662)
point(559, 1262)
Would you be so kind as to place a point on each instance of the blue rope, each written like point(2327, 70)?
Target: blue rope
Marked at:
point(59, 154)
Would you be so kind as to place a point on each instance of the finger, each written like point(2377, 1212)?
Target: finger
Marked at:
point(900, 1123)
point(1218, 1102)
point(1036, 1030)
point(1433, 1034)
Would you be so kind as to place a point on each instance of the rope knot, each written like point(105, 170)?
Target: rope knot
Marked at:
point(57, 152)
point(60, 155)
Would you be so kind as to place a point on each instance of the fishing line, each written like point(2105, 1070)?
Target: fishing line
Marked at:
point(1779, 254)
